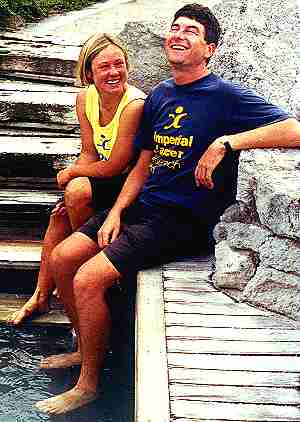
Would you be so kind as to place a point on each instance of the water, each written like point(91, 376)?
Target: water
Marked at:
point(22, 383)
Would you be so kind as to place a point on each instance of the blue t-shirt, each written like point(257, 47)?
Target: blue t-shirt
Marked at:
point(179, 123)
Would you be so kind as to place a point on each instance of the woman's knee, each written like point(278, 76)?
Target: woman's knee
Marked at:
point(78, 193)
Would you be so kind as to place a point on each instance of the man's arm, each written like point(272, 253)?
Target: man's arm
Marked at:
point(137, 177)
point(284, 134)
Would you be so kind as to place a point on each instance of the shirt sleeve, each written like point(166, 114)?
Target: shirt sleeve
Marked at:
point(144, 136)
point(249, 111)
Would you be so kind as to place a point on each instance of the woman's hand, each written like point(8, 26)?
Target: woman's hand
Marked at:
point(109, 230)
point(59, 209)
point(63, 177)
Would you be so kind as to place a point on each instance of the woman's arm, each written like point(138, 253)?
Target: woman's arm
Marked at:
point(88, 153)
point(122, 151)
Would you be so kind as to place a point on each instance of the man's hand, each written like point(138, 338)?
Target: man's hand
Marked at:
point(208, 162)
point(109, 230)
point(63, 177)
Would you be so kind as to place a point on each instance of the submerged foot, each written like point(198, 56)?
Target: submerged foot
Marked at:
point(30, 308)
point(65, 360)
point(63, 403)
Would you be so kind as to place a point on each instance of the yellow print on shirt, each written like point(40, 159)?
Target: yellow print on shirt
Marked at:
point(176, 117)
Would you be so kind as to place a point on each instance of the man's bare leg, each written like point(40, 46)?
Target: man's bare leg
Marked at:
point(66, 258)
point(90, 284)
point(58, 229)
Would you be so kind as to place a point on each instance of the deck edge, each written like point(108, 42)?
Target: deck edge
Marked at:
point(152, 402)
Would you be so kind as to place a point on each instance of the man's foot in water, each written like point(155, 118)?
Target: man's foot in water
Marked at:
point(63, 403)
point(65, 360)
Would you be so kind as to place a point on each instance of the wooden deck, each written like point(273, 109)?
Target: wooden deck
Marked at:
point(202, 356)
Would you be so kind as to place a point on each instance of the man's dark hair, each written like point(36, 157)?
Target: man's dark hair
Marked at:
point(203, 15)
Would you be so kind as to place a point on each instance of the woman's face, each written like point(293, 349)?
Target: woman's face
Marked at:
point(109, 70)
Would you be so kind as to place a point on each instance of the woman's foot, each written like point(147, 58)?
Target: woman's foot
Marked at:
point(33, 306)
point(62, 361)
point(63, 403)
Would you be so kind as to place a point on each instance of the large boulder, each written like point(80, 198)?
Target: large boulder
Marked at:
point(260, 46)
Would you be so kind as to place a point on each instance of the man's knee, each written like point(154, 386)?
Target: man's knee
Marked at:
point(78, 192)
point(95, 277)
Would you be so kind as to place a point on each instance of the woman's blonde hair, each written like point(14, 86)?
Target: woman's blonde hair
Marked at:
point(92, 46)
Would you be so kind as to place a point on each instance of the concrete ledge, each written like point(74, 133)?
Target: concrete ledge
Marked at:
point(151, 376)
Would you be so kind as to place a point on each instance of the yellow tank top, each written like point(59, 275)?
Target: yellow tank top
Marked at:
point(105, 136)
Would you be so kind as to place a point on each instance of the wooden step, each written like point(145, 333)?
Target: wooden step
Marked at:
point(33, 161)
point(32, 102)
point(38, 56)
point(9, 303)
point(20, 255)
point(25, 212)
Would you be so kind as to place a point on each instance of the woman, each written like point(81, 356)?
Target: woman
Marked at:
point(109, 111)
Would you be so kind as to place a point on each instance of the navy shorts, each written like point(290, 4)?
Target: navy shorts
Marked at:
point(106, 190)
point(151, 236)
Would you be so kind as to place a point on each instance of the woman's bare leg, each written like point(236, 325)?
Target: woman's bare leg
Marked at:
point(78, 200)
point(91, 282)
point(78, 195)
point(58, 229)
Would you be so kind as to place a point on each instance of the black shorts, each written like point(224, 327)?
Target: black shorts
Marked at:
point(106, 190)
point(151, 236)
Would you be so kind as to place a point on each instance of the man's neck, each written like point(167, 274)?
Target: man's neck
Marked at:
point(183, 76)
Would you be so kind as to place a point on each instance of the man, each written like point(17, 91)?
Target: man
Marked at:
point(193, 127)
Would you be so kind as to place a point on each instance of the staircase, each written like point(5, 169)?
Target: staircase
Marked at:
point(39, 135)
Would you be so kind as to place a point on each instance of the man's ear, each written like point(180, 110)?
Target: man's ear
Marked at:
point(211, 48)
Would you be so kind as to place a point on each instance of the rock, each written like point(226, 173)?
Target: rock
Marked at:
point(281, 254)
point(234, 268)
point(274, 290)
point(258, 40)
point(270, 181)
point(247, 236)
point(148, 64)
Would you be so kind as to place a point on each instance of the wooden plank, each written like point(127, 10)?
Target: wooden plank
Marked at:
point(28, 76)
point(233, 412)
point(196, 297)
point(26, 87)
point(12, 132)
point(187, 274)
point(214, 309)
point(233, 394)
point(41, 106)
point(40, 126)
point(10, 303)
point(151, 353)
point(235, 378)
point(234, 362)
point(250, 334)
point(233, 347)
point(188, 286)
point(194, 320)
point(29, 145)
point(24, 255)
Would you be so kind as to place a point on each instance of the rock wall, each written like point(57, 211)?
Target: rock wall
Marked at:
point(258, 238)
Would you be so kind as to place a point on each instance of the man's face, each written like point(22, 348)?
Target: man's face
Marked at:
point(185, 44)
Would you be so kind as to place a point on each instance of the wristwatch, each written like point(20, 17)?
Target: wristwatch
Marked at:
point(228, 149)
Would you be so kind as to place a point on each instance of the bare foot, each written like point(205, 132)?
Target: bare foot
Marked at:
point(63, 403)
point(65, 360)
point(31, 307)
